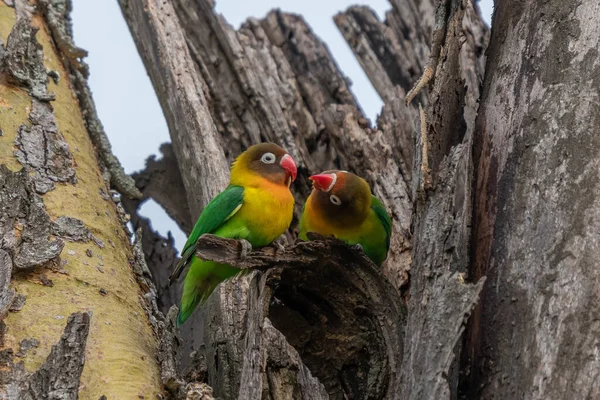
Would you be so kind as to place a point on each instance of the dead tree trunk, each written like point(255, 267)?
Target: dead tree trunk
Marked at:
point(295, 108)
point(535, 334)
point(318, 320)
point(73, 320)
point(273, 80)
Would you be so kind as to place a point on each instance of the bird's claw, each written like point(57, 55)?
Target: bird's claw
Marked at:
point(246, 248)
point(358, 247)
point(280, 244)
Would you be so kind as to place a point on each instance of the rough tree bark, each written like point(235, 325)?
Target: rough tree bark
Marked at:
point(536, 333)
point(318, 320)
point(304, 103)
point(274, 80)
point(62, 236)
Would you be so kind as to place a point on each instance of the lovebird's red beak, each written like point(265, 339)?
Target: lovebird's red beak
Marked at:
point(323, 182)
point(288, 164)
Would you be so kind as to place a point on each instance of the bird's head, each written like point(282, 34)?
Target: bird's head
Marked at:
point(341, 198)
point(264, 160)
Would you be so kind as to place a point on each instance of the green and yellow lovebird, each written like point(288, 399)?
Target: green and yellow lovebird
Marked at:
point(257, 206)
point(341, 205)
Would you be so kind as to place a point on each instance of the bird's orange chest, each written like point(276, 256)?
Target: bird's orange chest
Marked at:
point(314, 222)
point(268, 211)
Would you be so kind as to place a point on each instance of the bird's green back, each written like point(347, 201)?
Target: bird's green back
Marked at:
point(204, 276)
point(217, 212)
point(380, 211)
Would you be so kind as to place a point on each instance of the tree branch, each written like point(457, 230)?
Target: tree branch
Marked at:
point(322, 295)
point(316, 293)
point(379, 51)
point(301, 255)
point(182, 93)
point(440, 298)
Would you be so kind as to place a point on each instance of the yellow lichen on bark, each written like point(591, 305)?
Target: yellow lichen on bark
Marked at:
point(121, 349)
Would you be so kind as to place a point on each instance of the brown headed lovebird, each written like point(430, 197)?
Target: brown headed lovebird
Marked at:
point(341, 205)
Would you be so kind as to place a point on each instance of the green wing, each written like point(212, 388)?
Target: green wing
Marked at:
point(219, 210)
point(385, 219)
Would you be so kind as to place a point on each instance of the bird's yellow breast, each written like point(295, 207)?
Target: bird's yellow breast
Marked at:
point(312, 221)
point(268, 212)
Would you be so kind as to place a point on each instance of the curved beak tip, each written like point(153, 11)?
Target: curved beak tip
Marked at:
point(323, 182)
point(288, 164)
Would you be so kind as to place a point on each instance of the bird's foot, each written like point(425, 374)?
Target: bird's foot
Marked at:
point(280, 244)
point(358, 247)
point(246, 248)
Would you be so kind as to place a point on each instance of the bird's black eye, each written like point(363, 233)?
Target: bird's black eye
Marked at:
point(335, 200)
point(268, 158)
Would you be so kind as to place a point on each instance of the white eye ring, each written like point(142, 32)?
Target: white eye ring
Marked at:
point(335, 200)
point(268, 158)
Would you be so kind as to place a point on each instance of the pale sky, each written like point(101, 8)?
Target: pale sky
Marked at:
point(124, 96)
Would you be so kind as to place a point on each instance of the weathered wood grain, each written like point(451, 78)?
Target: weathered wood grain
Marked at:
point(537, 155)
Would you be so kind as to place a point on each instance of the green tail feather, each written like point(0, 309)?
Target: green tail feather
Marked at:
point(194, 296)
point(201, 280)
